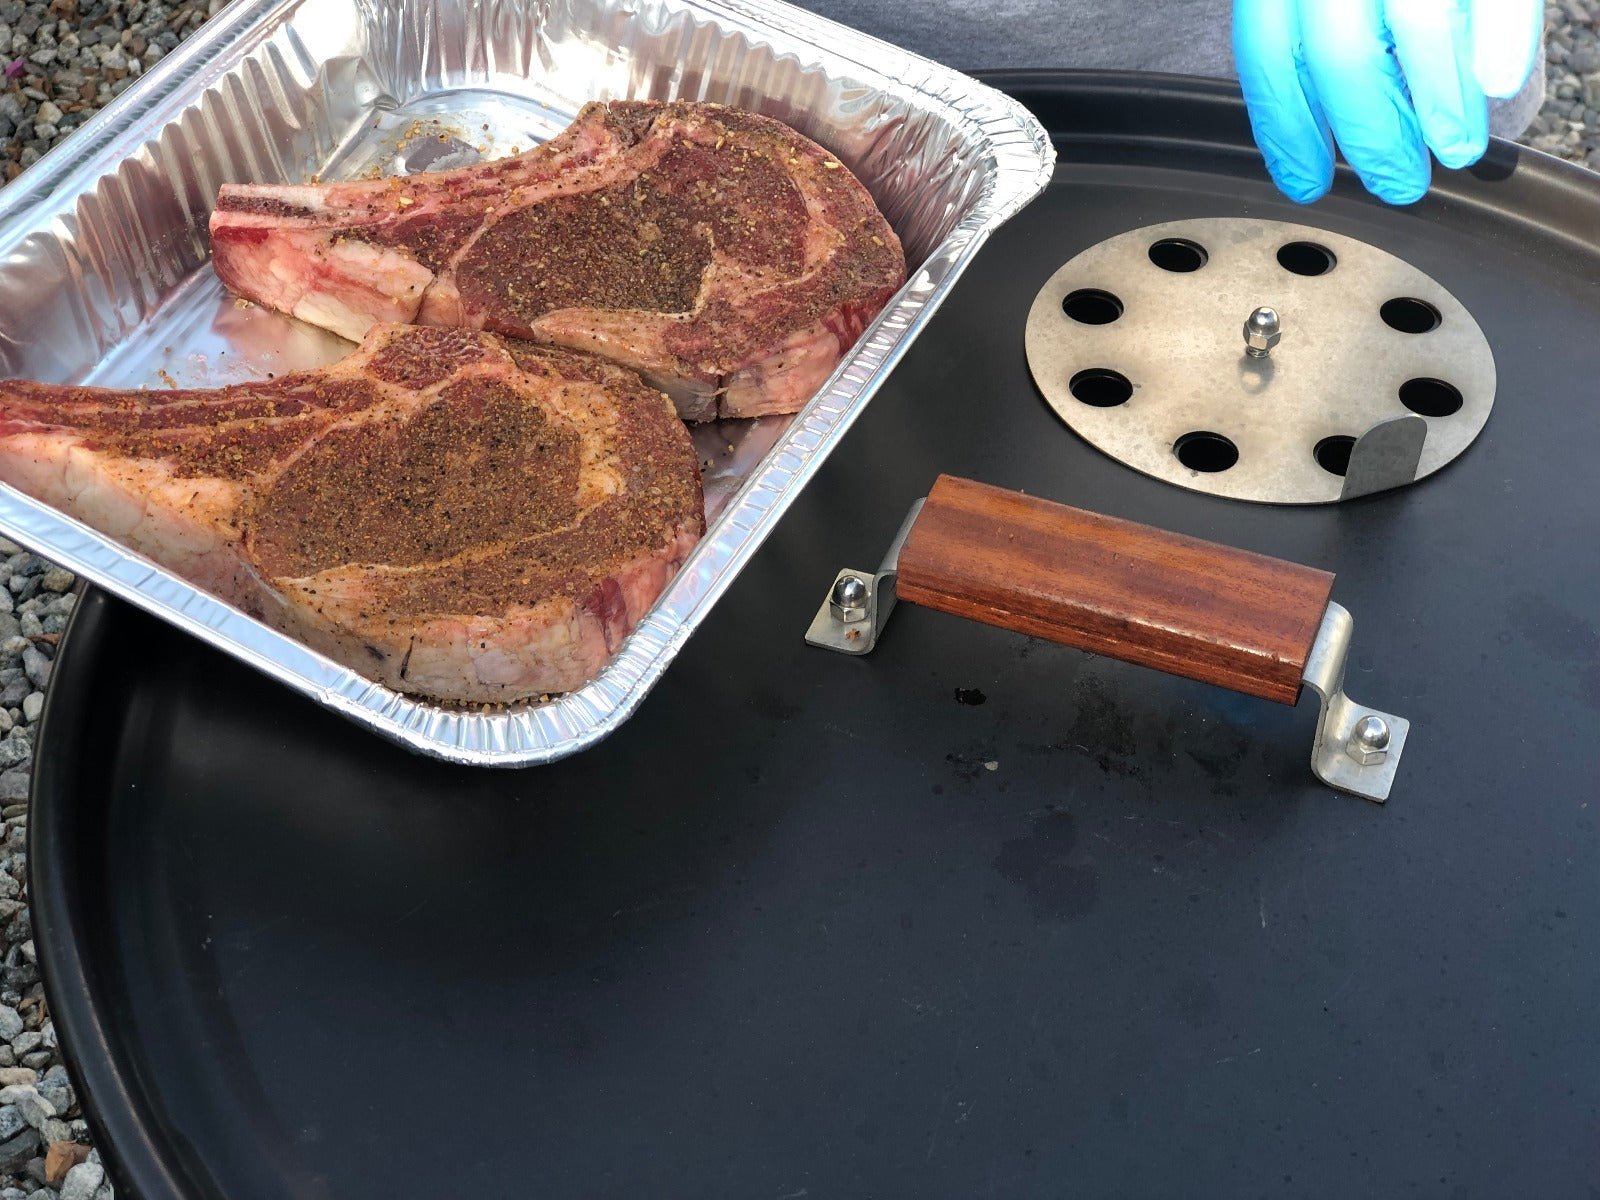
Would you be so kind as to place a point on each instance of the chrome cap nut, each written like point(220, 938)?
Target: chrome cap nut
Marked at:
point(1262, 332)
point(1369, 741)
point(849, 599)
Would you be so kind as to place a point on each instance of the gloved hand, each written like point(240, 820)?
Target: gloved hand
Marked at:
point(1389, 79)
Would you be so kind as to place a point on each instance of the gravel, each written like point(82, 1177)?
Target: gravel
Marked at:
point(60, 62)
point(1569, 125)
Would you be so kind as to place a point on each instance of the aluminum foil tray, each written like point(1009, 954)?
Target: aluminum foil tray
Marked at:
point(104, 274)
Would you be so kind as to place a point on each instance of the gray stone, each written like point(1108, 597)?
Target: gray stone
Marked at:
point(15, 1075)
point(15, 692)
point(1585, 60)
point(11, 1025)
point(32, 706)
point(82, 1181)
point(35, 1109)
point(55, 1130)
point(11, 1122)
point(15, 784)
point(26, 1043)
point(30, 625)
point(56, 579)
point(37, 666)
point(39, 1059)
point(16, 1151)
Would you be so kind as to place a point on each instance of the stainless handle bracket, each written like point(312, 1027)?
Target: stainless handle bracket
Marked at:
point(858, 604)
point(1357, 749)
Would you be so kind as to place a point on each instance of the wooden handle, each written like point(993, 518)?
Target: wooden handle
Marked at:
point(1223, 616)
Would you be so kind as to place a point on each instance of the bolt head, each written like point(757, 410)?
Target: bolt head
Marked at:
point(1369, 741)
point(849, 599)
point(1262, 332)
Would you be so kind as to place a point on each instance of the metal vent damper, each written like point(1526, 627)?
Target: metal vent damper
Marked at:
point(1260, 360)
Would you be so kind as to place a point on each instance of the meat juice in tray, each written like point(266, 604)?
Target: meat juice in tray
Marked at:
point(114, 244)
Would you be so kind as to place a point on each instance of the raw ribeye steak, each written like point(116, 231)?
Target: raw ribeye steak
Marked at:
point(452, 515)
point(721, 254)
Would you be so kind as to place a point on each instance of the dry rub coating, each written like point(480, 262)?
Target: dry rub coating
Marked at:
point(727, 258)
point(455, 515)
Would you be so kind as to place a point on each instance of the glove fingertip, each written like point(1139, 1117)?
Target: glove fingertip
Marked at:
point(1401, 194)
point(1502, 84)
point(1459, 157)
point(1303, 191)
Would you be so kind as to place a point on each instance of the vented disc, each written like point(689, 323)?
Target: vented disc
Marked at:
point(1139, 344)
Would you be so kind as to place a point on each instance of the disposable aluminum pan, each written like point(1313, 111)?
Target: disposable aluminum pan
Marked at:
point(104, 274)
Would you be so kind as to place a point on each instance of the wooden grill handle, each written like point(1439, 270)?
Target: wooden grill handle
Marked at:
point(1192, 608)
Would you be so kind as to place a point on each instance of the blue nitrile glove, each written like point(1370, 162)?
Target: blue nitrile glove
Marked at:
point(1389, 79)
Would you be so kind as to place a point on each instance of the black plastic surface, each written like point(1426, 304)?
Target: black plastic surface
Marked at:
point(814, 926)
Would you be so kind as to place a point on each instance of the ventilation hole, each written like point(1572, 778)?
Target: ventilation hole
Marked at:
point(1178, 256)
point(1306, 258)
point(1209, 452)
point(1410, 316)
point(1101, 387)
point(1333, 454)
point(1431, 397)
point(1090, 306)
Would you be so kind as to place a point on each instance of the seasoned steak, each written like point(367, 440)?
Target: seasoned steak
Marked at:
point(453, 515)
point(721, 254)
